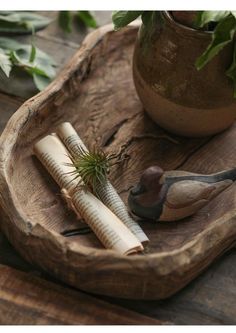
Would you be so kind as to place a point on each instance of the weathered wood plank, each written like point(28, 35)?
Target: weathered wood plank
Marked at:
point(209, 300)
point(8, 256)
point(8, 105)
point(25, 299)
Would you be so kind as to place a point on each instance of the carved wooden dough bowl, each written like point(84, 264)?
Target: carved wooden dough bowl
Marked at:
point(95, 93)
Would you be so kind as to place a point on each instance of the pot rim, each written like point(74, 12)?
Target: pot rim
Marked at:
point(185, 29)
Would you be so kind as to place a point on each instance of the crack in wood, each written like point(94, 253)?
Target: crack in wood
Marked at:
point(125, 190)
point(60, 41)
point(145, 136)
point(109, 136)
point(191, 153)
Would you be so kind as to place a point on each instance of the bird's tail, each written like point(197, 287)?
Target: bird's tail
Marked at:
point(213, 178)
point(227, 174)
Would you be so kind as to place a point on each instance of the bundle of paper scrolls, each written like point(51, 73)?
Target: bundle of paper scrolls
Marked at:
point(111, 223)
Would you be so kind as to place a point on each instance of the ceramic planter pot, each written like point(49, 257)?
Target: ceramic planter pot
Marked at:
point(174, 93)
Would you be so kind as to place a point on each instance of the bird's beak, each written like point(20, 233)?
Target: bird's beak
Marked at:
point(137, 189)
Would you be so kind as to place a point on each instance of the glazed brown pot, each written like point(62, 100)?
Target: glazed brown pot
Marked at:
point(175, 94)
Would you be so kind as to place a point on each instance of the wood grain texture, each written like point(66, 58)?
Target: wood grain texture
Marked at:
point(93, 93)
point(208, 300)
point(8, 106)
point(20, 304)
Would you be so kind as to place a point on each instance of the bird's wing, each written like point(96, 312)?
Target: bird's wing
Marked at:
point(187, 192)
point(185, 198)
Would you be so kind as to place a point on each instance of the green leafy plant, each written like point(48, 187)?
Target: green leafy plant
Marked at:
point(223, 34)
point(123, 18)
point(65, 21)
point(26, 57)
point(21, 22)
point(39, 65)
point(221, 23)
point(5, 62)
point(84, 18)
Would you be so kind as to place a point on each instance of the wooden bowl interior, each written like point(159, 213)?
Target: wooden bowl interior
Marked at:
point(99, 99)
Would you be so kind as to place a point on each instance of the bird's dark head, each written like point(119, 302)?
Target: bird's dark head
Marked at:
point(149, 181)
point(144, 196)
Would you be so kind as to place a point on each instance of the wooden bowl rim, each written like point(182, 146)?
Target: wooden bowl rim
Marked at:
point(179, 257)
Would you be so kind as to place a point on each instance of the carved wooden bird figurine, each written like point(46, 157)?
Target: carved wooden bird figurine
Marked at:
point(173, 195)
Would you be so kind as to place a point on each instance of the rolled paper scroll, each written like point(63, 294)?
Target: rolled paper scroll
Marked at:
point(106, 191)
point(105, 224)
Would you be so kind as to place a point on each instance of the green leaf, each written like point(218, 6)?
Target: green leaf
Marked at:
point(32, 54)
point(223, 35)
point(231, 72)
point(9, 44)
point(65, 21)
point(41, 82)
point(5, 63)
point(25, 50)
point(233, 13)
point(87, 19)
point(147, 18)
point(40, 69)
point(21, 62)
point(39, 65)
point(21, 22)
point(205, 17)
point(122, 18)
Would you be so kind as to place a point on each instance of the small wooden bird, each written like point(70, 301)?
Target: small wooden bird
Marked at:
point(173, 195)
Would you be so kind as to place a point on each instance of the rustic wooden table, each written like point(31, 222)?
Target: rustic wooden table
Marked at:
point(29, 296)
